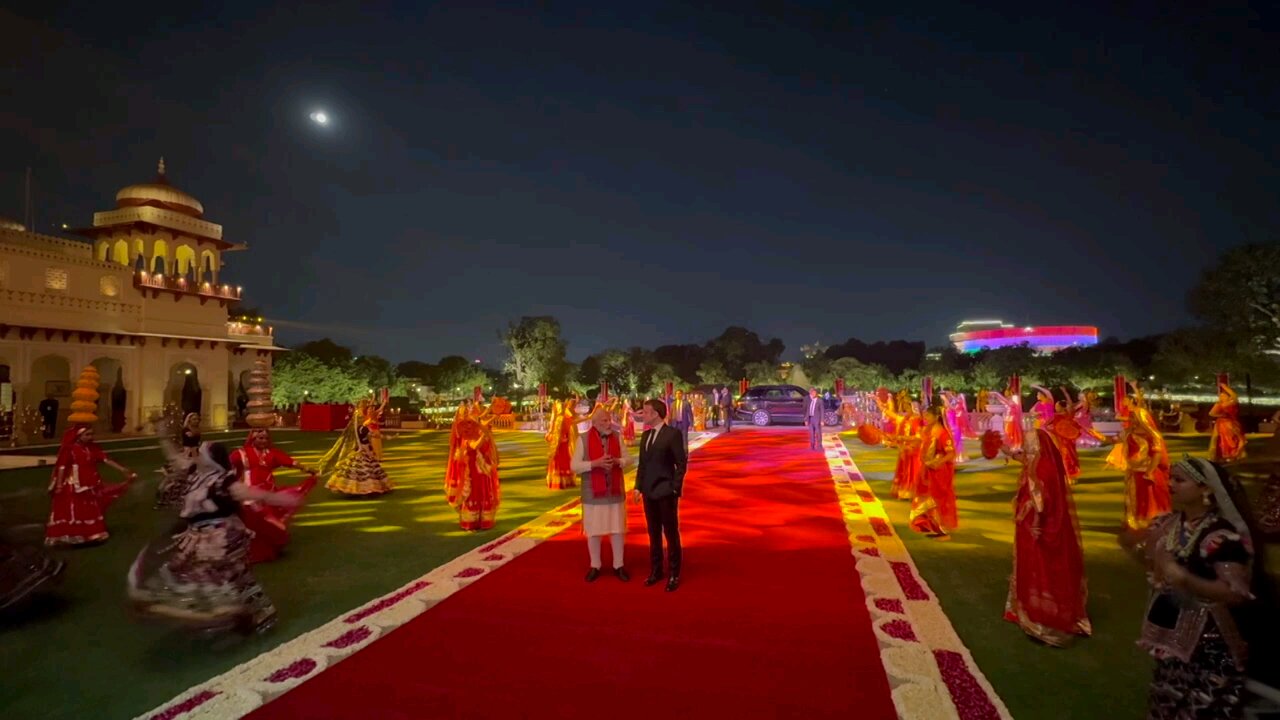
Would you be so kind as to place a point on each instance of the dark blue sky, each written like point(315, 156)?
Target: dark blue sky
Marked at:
point(653, 175)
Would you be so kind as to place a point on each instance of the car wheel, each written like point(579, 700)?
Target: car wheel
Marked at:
point(831, 417)
point(760, 418)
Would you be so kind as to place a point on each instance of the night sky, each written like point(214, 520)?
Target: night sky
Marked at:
point(653, 175)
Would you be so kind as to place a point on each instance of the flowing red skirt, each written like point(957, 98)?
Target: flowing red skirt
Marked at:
point(559, 472)
point(906, 476)
point(270, 524)
point(77, 518)
point(1228, 440)
point(1047, 592)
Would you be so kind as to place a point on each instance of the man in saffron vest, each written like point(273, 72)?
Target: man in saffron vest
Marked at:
point(599, 457)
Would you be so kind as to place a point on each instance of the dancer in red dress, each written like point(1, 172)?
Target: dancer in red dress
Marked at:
point(933, 511)
point(480, 493)
point(79, 497)
point(560, 439)
point(906, 475)
point(1226, 443)
point(1141, 453)
point(255, 464)
point(1047, 591)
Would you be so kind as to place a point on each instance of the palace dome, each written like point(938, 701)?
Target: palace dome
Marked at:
point(159, 194)
point(9, 224)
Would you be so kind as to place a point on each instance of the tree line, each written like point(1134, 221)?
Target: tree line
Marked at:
point(1236, 305)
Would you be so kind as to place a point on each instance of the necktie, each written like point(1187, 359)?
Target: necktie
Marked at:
point(652, 434)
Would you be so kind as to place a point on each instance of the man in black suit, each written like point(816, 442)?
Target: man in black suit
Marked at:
point(726, 408)
point(813, 412)
point(659, 483)
point(682, 417)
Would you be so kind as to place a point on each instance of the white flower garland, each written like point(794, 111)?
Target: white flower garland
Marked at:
point(932, 673)
point(248, 686)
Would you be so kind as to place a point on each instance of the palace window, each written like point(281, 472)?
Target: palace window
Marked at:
point(109, 286)
point(55, 279)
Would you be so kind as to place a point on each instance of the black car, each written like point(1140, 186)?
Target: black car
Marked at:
point(768, 404)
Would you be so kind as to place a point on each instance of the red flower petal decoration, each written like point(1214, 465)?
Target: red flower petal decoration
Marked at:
point(911, 587)
point(892, 605)
point(881, 527)
point(900, 629)
point(871, 551)
point(349, 638)
point(185, 706)
point(971, 700)
point(300, 668)
point(866, 496)
point(869, 539)
point(493, 557)
point(469, 572)
point(385, 602)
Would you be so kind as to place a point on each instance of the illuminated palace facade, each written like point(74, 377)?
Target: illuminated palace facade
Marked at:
point(142, 298)
point(975, 335)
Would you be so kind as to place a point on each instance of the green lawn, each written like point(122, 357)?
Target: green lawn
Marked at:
point(1102, 676)
point(79, 655)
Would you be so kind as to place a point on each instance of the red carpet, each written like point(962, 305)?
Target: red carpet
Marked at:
point(769, 621)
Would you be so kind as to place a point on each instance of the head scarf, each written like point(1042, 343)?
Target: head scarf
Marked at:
point(187, 420)
point(1203, 472)
point(69, 438)
point(253, 435)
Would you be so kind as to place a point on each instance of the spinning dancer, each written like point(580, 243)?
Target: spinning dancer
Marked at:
point(198, 573)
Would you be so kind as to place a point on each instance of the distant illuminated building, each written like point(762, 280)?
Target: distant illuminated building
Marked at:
point(972, 336)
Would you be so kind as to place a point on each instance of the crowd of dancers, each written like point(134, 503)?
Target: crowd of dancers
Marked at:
point(1185, 521)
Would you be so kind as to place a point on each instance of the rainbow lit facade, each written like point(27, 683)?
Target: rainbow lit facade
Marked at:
point(973, 336)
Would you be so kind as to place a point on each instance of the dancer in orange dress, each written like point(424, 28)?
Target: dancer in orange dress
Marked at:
point(1226, 443)
point(78, 496)
point(906, 475)
point(933, 511)
point(560, 438)
point(627, 417)
point(1141, 453)
point(1047, 590)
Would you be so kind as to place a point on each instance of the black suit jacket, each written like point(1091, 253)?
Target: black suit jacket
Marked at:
point(662, 465)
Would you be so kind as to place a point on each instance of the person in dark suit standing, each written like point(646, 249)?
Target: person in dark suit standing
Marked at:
point(813, 412)
point(726, 408)
point(659, 484)
point(48, 416)
point(682, 417)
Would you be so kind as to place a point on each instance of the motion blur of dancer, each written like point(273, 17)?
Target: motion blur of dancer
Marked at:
point(198, 573)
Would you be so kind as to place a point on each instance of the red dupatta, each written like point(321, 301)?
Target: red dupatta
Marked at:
point(605, 482)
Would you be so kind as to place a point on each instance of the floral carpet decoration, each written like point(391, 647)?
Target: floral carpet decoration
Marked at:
point(248, 686)
point(932, 673)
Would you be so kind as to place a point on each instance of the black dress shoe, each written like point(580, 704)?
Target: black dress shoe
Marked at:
point(592, 574)
point(622, 574)
point(653, 579)
point(673, 584)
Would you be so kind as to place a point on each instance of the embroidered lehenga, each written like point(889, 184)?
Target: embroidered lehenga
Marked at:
point(198, 573)
point(1199, 650)
point(354, 464)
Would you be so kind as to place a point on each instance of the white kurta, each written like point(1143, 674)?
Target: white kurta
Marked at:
point(607, 519)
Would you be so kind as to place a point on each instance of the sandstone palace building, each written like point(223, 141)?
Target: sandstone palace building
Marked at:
point(143, 297)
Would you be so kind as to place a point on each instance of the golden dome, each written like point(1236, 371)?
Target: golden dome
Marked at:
point(7, 224)
point(159, 194)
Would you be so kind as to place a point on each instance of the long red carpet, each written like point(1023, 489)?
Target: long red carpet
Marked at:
point(769, 621)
